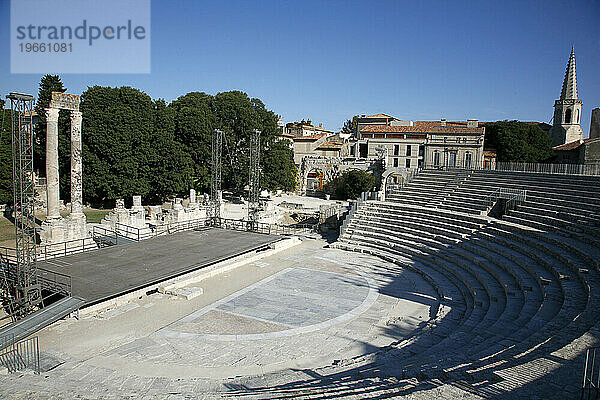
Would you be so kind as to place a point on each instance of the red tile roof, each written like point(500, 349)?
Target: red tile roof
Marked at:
point(309, 138)
point(574, 144)
point(330, 145)
point(421, 127)
point(378, 116)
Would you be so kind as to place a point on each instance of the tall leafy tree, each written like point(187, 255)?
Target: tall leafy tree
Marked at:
point(350, 125)
point(350, 184)
point(117, 124)
point(49, 84)
point(171, 167)
point(130, 147)
point(518, 141)
point(237, 115)
point(193, 122)
point(5, 156)
point(279, 170)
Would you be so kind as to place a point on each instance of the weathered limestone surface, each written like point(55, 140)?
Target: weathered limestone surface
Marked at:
point(76, 164)
point(52, 179)
point(57, 229)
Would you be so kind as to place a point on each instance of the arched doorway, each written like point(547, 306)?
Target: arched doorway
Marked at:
point(314, 180)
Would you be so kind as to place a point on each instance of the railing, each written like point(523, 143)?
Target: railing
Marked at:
point(7, 340)
point(266, 228)
point(590, 389)
point(132, 232)
point(121, 233)
point(49, 251)
point(513, 197)
point(534, 168)
point(448, 187)
point(18, 356)
point(328, 211)
point(364, 196)
point(55, 282)
point(560, 169)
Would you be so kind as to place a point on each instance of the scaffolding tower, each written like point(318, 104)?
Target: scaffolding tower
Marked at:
point(23, 292)
point(215, 184)
point(254, 179)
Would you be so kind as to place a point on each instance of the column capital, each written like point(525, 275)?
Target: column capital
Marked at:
point(76, 114)
point(52, 114)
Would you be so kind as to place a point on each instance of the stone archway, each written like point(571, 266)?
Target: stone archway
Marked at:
point(315, 180)
point(393, 176)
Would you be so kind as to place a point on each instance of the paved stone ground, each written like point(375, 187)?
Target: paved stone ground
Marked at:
point(260, 326)
point(309, 322)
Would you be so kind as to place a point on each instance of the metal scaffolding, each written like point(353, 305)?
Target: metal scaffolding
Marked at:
point(215, 185)
point(254, 179)
point(24, 291)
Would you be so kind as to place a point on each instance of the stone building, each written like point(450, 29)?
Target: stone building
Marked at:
point(595, 123)
point(308, 140)
point(584, 151)
point(420, 144)
point(299, 129)
point(567, 110)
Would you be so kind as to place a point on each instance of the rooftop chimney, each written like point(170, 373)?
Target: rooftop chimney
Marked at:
point(443, 121)
point(472, 123)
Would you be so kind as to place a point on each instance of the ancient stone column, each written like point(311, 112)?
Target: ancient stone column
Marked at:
point(76, 165)
point(52, 183)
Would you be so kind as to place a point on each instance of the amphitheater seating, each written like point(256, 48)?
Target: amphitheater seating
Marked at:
point(513, 289)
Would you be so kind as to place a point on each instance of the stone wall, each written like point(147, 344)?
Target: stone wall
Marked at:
point(595, 123)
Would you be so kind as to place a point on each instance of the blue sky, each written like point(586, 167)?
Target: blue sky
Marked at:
point(329, 60)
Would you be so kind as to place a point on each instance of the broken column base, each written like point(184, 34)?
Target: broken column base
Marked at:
point(60, 230)
point(52, 231)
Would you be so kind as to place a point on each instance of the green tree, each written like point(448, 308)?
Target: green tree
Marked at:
point(279, 170)
point(117, 127)
point(49, 84)
point(194, 121)
point(350, 184)
point(170, 164)
point(130, 147)
point(5, 157)
point(517, 141)
point(350, 125)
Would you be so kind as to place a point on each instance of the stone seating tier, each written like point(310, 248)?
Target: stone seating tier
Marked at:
point(528, 284)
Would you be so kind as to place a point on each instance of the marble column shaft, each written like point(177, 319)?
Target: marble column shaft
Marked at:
point(76, 164)
point(52, 179)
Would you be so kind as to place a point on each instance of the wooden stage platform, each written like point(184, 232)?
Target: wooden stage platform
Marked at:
point(109, 272)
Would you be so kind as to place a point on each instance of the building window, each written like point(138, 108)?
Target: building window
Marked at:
point(408, 163)
point(436, 158)
point(396, 149)
point(363, 150)
point(577, 117)
point(408, 150)
point(452, 159)
point(421, 150)
point(468, 160)
point(568, 116)
point(395, 162)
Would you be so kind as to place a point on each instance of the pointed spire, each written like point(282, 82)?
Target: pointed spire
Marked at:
point(569, 88)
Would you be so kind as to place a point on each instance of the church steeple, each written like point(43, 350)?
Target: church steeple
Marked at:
point(569, 88)
point(567, 109)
